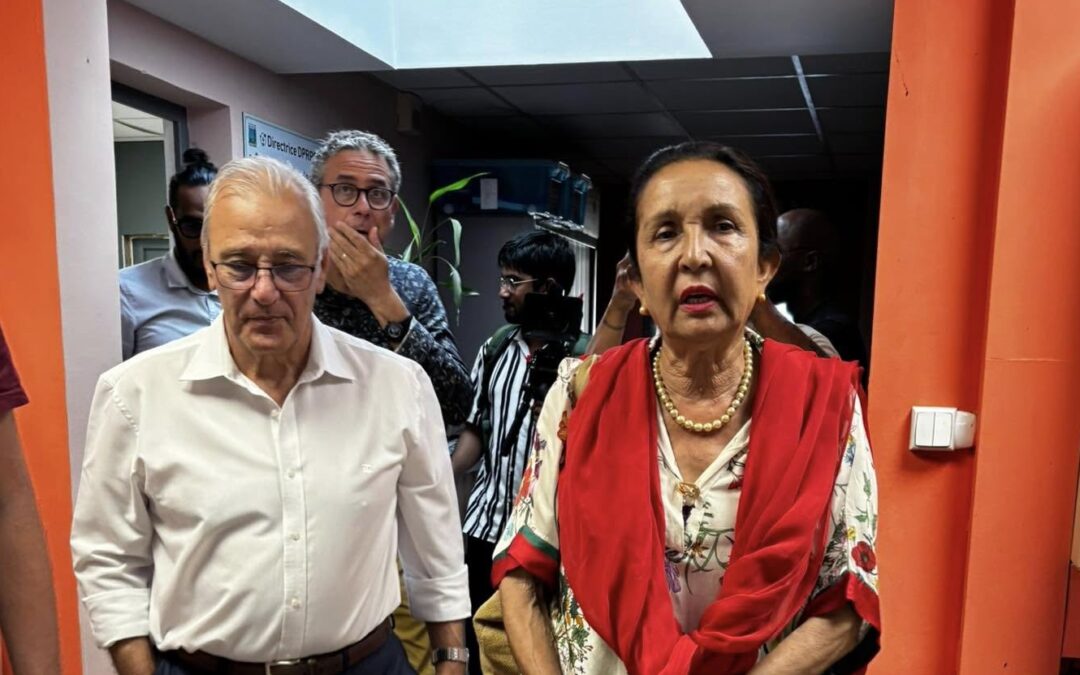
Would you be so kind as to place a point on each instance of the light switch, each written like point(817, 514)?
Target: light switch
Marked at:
point(924, 429)
point(935, 428)
point(943, 428)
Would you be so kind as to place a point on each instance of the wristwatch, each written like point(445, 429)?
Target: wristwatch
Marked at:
point(396, 331)
point(458, 654)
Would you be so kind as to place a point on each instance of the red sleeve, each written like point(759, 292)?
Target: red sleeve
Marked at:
point(531, 553)
point(11, 391)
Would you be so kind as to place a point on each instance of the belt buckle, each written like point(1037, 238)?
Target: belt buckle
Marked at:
point(269, 667)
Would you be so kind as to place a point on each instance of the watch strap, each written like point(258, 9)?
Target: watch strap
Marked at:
point(458, 654)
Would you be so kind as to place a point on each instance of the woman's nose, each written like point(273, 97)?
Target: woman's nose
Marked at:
point(695, 253)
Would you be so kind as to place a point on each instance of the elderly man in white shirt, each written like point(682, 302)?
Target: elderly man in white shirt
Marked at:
point(247, 489)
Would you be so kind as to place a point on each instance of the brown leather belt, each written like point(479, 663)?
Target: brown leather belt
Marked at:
point(333, 663)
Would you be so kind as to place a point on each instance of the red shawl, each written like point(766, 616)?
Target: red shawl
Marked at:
point(611, 519)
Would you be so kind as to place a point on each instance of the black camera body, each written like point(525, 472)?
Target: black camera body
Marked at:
point(555, 321)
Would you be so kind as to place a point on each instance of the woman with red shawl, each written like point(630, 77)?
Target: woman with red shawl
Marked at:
point(703, 502)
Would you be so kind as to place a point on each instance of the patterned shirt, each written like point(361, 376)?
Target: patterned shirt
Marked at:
point(698, 539)
point(158, 304)
point(428, 342)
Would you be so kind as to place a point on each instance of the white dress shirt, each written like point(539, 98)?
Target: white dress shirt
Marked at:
point(209, 518)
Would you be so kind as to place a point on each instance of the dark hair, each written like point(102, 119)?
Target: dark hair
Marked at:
point(198, 171)
point(757, 183)
point(541, 255)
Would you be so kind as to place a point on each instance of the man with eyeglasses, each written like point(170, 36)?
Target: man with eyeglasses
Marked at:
point(534, 262)
point(246, 489)
point(369, 294)
point(381, 298)
point(167, 298)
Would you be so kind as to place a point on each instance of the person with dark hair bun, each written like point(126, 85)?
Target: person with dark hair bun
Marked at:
point(167, 298)
point(704, 501)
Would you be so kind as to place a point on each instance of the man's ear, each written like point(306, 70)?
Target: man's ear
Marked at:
point(321, 272)
point(211, 279)
point(811, 261)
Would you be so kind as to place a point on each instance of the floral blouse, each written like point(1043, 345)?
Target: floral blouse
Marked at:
point(699, 534)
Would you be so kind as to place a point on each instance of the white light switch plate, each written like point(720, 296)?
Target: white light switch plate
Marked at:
point(935, 428)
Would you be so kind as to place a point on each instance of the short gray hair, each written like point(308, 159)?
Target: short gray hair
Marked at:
point(354, 139)
point(265, 177)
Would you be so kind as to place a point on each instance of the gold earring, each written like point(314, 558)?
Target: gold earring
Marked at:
point(643, 310)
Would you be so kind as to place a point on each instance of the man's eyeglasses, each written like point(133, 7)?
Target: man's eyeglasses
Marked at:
point(347, 194)
point(190, 226)
point(511, 283)
point(241, 276)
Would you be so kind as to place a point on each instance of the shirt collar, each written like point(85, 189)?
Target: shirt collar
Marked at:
point(175, 277)
point(212, 358)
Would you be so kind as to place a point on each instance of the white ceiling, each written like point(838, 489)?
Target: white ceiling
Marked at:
point(284, 40)
point(130, 124)
point(604, 117)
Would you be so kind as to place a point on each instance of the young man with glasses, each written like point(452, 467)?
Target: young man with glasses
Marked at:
point(167, 298)
point(535, 262)
point(245, 489)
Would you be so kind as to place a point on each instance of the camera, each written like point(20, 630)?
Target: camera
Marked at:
point(555, 321)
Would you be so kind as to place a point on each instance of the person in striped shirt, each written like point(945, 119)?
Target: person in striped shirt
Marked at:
point(535, 262)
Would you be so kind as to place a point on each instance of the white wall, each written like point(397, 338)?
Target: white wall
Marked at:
point(80, 118)
point(218, 87)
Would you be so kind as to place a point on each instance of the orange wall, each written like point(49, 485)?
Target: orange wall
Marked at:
point(978, 306)
point(1029, 451)
point(30, 292)
point(943, 122)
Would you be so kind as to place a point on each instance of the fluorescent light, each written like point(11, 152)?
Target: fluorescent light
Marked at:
point(466, 33)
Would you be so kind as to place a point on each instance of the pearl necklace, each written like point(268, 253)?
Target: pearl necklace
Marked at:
point(717, 424)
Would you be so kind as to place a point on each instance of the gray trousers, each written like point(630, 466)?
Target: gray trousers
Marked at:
point(388, 660)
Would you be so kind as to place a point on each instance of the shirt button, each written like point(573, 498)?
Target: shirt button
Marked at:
point(294, 536)
point(295, 603)
point(275, 414)
point(291, 474)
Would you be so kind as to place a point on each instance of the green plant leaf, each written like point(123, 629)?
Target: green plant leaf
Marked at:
point(468, 292)
point(455, 290)
point(417, 237)
point(454, 187)
point(406, 255)
point(455, 227)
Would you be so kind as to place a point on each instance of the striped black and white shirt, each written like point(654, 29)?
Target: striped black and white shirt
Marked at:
point(499, 475)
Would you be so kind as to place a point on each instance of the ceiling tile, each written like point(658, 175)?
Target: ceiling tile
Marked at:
point(849, 90)
point(852, 120)
point(568, 73)
point(565, 99)
point(832, 64)
point(465, 101)
point(508, 125)
point(694, 68)
point(856, 143)
point(868, 163)
point(741, 94)
point(775, 144)
point(731, 123)
point(609, 126)
point(425, 78)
